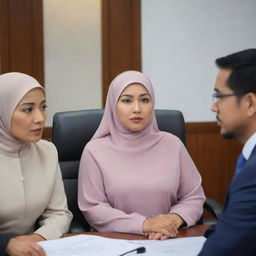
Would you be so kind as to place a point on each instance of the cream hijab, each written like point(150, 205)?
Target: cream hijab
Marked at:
point(13, 87)
point(111, 125)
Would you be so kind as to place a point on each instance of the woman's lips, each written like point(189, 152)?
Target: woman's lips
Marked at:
point(136, 119)
point(37, 131)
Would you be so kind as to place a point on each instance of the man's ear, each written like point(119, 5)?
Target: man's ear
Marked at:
point(251, 104)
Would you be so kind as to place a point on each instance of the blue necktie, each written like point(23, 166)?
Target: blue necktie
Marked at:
point(239, 163)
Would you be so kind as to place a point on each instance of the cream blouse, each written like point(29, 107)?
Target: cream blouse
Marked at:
point(31, 187)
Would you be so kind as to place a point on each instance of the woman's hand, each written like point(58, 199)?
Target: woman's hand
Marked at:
point(156, 236)
point(25, 246)
point(162, 226)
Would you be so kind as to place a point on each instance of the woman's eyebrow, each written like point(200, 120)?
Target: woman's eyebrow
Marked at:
point(126, 95)
point(31, 103)
point(27, 103)
point(144, 94)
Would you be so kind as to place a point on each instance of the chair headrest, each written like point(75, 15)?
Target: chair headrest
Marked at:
point(73, 129)
point(171, 121)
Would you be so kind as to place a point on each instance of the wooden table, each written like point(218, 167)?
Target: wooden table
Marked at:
point(197, 230)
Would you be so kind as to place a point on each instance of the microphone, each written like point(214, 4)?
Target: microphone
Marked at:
point(138, 250)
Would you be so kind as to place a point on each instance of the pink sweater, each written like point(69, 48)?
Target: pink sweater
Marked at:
point(118, 191)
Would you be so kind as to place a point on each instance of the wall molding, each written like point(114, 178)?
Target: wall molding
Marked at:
point(21, 37)
point(190, 127)
point(206, 127)
point(121, 39)
point(214, 156)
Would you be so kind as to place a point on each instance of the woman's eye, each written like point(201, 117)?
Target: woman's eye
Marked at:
point(126, 101)
point(44, 107)
point(145, 100)
point(27, 110)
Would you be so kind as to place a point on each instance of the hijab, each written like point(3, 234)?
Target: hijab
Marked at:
point(110, 124)
point(13, 87)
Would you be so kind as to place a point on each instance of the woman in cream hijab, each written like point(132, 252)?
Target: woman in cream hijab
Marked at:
point(134, 178)
point(31, 186)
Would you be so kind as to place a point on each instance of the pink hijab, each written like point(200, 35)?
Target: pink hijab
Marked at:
point(13, 87)
point(110, 124)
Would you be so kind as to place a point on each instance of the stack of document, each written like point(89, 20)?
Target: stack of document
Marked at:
point(91, 245)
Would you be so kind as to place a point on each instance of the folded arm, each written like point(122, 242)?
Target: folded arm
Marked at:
point(190, 194)
point(94, 203)
point(56, 218)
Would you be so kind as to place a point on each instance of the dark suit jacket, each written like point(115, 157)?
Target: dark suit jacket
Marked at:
point(4, 239)
point(235, 232)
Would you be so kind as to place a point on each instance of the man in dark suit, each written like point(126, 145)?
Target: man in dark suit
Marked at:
point(4, 239)
point(235, 106)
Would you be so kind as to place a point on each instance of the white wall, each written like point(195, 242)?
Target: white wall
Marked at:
point(180, 41)
point(72, 45)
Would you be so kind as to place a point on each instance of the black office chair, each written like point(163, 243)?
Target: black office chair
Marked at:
point(73, 129)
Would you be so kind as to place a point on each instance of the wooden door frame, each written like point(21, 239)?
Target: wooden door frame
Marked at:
point(121, 39)
point(21, 37)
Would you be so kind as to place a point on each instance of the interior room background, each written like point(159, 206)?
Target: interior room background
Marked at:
point(84, 43)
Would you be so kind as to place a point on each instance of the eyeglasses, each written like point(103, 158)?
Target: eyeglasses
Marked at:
point(216, 97)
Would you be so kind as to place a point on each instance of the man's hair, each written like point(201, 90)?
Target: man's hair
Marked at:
point(242, 79)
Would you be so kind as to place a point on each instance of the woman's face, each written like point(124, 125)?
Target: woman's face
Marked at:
point(134, 107)
point(29, 117)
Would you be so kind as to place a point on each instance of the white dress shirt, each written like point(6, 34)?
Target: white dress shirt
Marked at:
point(249, 146)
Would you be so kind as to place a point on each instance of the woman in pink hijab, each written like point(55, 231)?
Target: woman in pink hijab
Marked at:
point(31, 186)
point(134, 178)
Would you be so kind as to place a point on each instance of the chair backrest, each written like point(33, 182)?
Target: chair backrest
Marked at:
point(171, 121)
point(73, 129)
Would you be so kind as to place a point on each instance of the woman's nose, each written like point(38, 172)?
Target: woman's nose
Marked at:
point(137, 107)
point(39, 116)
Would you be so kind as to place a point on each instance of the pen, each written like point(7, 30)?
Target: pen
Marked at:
point(138, 250)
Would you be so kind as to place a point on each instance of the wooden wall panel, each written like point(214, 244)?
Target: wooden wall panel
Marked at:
point(47, 133)
point(4, 38)
point(214, 156)
point(21, 33)
point(121, 35)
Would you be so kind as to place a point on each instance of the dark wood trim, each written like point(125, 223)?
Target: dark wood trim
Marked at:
point(197, 230)
point(214, 156)
point(136, 35)
point(21, 33)
point(38, 41)
point(191, 127)
point(105, 48)
point(4, 36)
point(195, 127)
point(47, 133)
point(121, 39)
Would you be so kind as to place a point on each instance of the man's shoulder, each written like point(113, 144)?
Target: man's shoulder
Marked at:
point(248, 172)
point(243, 185)
point(251, 161)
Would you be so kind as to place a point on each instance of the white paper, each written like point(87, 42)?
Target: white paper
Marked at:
point(86, 245)
point(190, 246)
point(91, 245)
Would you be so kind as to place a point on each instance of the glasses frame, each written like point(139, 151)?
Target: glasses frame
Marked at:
point(216, 97)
